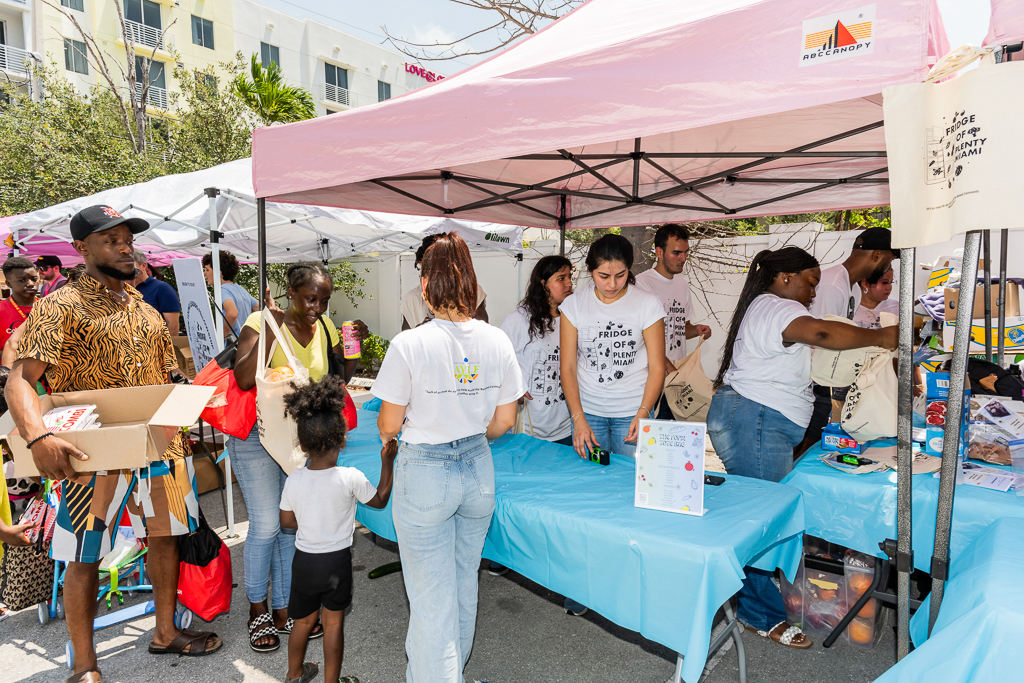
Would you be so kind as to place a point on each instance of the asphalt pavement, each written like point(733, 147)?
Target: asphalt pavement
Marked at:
point(522, 635)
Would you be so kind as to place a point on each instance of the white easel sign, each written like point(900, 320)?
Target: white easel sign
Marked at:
point(670, 466)
point(195, 308)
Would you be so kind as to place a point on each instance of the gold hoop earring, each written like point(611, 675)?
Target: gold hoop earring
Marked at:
point(423, 294)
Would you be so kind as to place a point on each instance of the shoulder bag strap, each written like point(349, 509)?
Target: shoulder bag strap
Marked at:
point(267, 321)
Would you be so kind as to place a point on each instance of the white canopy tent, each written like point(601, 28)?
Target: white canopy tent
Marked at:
point(179, 207)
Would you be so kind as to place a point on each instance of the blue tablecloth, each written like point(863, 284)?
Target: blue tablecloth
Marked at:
point(978, 633)
point(859, 511)
point(570, 525)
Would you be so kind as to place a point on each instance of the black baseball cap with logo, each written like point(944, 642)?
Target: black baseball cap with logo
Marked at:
point(47, 262)
point(99, 218)
point(876, 238)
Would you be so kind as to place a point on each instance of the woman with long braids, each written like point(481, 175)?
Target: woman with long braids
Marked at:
point(269, 549)
point(763, 400)
point(533, 329)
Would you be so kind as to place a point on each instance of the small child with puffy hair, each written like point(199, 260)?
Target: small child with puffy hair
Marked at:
point(319, 500)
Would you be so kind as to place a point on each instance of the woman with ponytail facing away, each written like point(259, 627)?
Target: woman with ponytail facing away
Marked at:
point(763, 400)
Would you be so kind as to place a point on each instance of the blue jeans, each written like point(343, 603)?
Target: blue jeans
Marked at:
point(269, 549)
point(442, 505)
point(611, 432)
point(754, 441)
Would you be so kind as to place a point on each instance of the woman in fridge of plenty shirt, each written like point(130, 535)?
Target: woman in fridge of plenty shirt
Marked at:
point(763, 400)
point(448, 385)
point(618, 330)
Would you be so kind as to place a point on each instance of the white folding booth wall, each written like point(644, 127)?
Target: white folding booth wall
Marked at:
point(502, 276)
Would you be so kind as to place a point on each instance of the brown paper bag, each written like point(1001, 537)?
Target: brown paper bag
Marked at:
point(688, 390)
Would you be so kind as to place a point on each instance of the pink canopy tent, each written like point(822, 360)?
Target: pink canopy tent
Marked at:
point(1007, 23)
point(630, 112)
point(40, 245)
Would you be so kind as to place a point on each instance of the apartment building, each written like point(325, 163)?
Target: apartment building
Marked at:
point(340, 70)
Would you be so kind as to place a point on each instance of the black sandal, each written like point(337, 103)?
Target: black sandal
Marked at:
point(309, 672)
point(263, 627)
point(317, 632)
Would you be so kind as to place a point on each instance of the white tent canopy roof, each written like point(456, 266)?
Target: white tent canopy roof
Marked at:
point(177, 207)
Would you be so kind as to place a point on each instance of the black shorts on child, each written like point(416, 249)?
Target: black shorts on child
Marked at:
point(320, 579)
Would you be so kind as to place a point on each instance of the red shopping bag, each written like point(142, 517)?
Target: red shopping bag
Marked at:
point(207, 590)
point(349, 413)
point(230, 409)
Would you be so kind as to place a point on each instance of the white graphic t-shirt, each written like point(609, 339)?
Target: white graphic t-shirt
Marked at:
point(539, 362)
point(835, 295)
point(674, 295)
point(450, 376)
point(868, 317)
point(611, 357)
point(763, 369)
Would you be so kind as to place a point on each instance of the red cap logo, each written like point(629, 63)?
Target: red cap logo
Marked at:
point(110, 212)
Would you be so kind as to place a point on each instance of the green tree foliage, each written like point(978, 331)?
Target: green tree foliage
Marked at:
point(270, 98)
point(67, 146)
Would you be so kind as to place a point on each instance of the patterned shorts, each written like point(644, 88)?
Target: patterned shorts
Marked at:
point(160, 500)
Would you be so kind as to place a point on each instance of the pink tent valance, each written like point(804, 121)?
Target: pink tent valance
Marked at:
point(630, 112)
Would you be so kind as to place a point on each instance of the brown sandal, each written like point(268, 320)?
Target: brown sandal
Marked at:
point(790, 636)
point(90, 676)
point(195, 641)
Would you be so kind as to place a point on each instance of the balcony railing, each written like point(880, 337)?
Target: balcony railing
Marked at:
point(334, 93)
point(141, 34)
point(157, 97)
point(13, 59)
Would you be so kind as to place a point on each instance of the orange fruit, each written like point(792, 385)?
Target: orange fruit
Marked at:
point(858, 582)
point(826, 594)
point(868, 611)
point(861, 632)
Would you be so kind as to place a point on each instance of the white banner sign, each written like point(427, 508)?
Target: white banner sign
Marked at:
point(670, 466)
point(954, 152)
point(195, 307)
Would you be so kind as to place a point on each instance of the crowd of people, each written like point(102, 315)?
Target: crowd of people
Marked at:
point(582, 368)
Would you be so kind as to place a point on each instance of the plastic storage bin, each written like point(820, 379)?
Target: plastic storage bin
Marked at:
point(830, 580)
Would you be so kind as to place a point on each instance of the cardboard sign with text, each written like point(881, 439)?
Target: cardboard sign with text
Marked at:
point(196, 311)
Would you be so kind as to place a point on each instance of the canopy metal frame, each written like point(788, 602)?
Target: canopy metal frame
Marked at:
point(521, 194)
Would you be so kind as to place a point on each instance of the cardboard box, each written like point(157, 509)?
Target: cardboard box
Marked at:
point(952, 299)
point(1013, 335)
point(206, 474)
point(183, 356)
point(138, 425)
point(833, 438)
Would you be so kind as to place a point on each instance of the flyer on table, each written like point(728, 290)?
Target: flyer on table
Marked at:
point(670, 466)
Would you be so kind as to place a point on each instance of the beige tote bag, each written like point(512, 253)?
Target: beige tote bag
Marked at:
point(277, 432)
point(870, 408)
point(840, 368)
point(688, 390)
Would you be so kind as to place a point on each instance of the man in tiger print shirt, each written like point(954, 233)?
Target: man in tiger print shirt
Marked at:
point(98, 333)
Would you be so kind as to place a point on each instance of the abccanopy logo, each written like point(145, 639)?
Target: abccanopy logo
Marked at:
point(838, 36)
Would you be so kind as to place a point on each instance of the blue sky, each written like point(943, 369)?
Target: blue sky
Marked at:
point(442, 20)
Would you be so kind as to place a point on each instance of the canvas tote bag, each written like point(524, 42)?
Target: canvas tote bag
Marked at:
point(840, 368)
point(688, 390)
point(277, 432)
point(870, 408)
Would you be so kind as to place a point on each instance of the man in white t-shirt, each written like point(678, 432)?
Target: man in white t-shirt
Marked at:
point(837, 293)
point(665, 281)
point(414, 306)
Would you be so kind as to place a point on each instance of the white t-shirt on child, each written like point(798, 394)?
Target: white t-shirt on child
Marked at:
point(548, 413)
point(450, 376)
point(611, 357)
point(765, 371)
point(324, 503)
point(674, 295)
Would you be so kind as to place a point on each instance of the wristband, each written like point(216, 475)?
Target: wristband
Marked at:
point(573, 417)
point(644, 408)
point(38, 439)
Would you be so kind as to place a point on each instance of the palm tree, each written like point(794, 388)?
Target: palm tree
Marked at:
point(270, 98)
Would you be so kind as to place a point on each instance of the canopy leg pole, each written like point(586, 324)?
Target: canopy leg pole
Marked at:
point(211, 193)
point(561, 226)
point(904, 453)
point(1004, 237)
point(954, 418)
point(261, 253)
point(986, 244)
